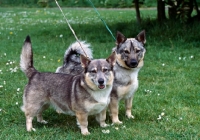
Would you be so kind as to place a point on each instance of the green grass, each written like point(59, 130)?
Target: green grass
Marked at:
point(169, 80)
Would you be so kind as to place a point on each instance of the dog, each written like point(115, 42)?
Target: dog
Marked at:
point(129, 54)
point(71, 63)
point(80, 95)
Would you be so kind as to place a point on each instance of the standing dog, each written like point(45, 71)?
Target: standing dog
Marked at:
point(130, 53)
point(72, 63)
point(85, 94)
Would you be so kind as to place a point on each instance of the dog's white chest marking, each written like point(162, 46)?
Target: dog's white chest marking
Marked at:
point(102, 97)
point(130, 85)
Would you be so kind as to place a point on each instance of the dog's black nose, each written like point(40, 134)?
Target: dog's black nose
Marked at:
point(101, 81)
point(133, 63)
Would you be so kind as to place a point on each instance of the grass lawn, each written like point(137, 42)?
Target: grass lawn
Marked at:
point(169, 80)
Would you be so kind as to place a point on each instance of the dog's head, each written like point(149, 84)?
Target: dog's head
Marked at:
point(130, 51)
point(99, 72)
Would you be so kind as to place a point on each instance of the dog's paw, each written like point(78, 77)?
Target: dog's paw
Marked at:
point(130, 116)
point(31, 129)
point(117, 122)
point(85, 133)
point(104, 125)
point(43, 122)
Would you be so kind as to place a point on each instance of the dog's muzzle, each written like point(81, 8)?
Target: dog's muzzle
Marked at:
point(132, 64)
point(101, 83)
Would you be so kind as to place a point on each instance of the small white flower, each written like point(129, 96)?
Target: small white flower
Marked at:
point(191, 56)
point(1, 86)
point(4, 82)
point(181, 118)
point(61, 36)
point(116, 128)
point(11, 62)
point(106, 131)
point(124, 126)
point(162, 114)
point(44, 56)
point(0, 109)
point(18, 89)
point(167, 119)
point(4, 54)
point(7, 63)
point(16, 103)
point(159, 117)
point(179, 58)
point(158, 94)
point(163, 64)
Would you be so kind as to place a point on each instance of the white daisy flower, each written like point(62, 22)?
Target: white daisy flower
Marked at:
point(162, 114)
point(18, 89)
point(159, 117)
point(106, 131)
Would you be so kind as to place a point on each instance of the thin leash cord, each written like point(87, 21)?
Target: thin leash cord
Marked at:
point(71, 28)
point(102, 19)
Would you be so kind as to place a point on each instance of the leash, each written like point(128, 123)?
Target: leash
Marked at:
point(71, 28)
point(102, 19)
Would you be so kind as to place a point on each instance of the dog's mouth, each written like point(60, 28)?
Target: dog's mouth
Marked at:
point(101, 86)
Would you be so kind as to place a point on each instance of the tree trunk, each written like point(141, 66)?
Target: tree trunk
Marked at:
point(161, 10)
point(137, 11)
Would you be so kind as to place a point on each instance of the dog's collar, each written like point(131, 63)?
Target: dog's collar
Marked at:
point(121, 66)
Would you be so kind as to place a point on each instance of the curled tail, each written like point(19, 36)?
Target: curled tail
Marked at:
point(26, 58)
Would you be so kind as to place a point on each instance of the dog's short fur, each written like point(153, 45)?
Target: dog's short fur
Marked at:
point(72, 63)
point(130, 53)
point(85, 94)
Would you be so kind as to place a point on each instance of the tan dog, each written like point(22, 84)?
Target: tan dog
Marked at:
point(130, 53)
point(82, 95)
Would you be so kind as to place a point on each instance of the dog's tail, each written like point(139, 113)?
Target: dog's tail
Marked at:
point(78, 49)
point(26, 58)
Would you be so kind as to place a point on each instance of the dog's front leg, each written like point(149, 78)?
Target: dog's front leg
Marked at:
point(101, 118)
point(113, 106)
point(82, 119)
point(128, 104)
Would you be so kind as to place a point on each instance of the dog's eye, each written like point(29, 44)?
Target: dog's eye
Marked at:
point(137, 51)
point(105, 70)
point(126, 51)
point(93, 71)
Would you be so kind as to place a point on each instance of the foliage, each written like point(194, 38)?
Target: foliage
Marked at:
point(167, 103)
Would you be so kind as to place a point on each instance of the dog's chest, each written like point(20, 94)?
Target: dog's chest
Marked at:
point(102, 99)
point(126, 84)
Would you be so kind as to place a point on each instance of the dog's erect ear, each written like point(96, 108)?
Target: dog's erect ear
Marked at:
point(112, 59)
point(141, 37)
point(120, 38)
point(84, 61)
